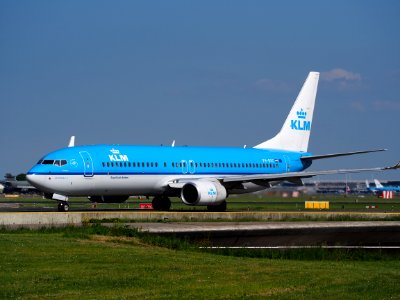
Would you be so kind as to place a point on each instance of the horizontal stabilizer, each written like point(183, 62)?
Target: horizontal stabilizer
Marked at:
point(315, 157)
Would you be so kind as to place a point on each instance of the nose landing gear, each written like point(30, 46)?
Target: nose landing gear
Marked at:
point(63, 206)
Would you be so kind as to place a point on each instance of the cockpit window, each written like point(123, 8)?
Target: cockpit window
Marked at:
point(60, 162)
point(40, 162)
point(57, 162)
point(48, 162)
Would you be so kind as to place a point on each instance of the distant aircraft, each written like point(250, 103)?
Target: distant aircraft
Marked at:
point(18, 186)
point(380, 188)
point(198, 175)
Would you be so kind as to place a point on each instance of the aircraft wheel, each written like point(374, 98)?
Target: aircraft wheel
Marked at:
point(161, 203)
point(166, 203)
point(63, 206)
point(217, 208)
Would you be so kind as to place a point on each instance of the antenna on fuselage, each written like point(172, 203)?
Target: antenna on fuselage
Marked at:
point(72, 141)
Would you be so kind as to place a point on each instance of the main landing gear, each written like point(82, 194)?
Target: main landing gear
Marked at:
point(161, 203)
point(217, 208)
point(63, 206)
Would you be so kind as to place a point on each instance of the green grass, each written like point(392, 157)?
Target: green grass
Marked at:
point(118, 263)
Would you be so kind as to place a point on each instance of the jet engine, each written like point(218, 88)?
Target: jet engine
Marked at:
point(108, 199)
point(202, 192)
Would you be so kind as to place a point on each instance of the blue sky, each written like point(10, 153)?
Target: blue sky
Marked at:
point(218, 73)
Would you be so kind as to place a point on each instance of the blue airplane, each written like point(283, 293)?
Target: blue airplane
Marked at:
point(380, 188)
point(198, 175)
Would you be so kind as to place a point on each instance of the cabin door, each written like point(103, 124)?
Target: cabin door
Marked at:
point(287, 162)
point(87, 164)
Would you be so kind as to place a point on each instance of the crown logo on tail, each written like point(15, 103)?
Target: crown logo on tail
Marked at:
point(114, 151)
point(301, 114)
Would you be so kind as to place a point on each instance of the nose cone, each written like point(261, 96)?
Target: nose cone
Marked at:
point(38, 180)
point(32, 179)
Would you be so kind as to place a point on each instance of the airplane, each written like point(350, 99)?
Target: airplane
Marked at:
point(380, 188)
point(16, 186)
point(203, 176)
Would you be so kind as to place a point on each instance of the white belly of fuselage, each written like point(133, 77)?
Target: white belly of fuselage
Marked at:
point(102, 185)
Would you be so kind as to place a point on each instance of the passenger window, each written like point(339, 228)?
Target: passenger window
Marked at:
point(103, 164)
point(142, 164)
point(124, 164)
point(108, 164)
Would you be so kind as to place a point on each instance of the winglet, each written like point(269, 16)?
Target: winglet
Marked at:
point(173, 143)
point(395, 167)
point(72, 141)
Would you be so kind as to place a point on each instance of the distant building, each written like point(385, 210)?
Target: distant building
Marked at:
point(324, 187)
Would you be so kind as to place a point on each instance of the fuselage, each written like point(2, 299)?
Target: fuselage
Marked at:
point(385, 188)
point(147, 170)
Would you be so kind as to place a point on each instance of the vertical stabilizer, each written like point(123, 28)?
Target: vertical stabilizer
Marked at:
point(378, 184)
point(71, 141)
point(295, 132)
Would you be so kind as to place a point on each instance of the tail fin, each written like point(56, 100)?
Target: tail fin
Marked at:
point(71, 141)
point(295, 132)
point(378, 184)
point(367, 184)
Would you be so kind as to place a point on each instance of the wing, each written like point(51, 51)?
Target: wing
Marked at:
point(296, 176)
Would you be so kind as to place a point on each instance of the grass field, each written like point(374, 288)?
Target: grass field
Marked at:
point(100, 263)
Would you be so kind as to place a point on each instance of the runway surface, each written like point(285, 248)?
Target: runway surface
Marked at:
point(282, 234)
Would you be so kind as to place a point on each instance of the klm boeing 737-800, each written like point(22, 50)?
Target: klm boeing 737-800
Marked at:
point(379, 188)
point(198, 175)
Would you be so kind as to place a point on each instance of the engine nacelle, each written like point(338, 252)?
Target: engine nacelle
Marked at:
point(202, 192)
point(108, 199)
